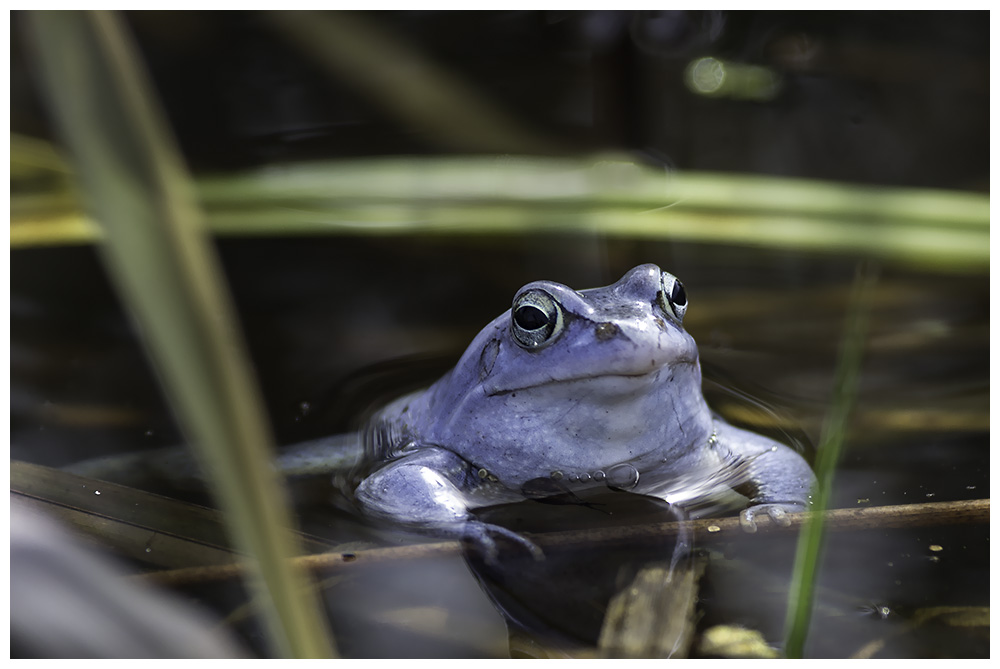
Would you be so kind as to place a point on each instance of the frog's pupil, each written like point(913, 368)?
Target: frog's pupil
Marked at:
point(530, 318)
point(677, 295)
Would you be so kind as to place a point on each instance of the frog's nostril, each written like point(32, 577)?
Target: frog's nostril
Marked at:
point(605, 331)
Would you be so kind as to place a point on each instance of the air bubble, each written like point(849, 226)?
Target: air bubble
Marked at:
point(624, 476)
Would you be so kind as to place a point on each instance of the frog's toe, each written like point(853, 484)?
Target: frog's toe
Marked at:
point(777, 512)
point(481, 536)
point(747, 521)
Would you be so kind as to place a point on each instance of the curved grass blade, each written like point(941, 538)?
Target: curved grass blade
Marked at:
point(807, 556)
point(162, 262)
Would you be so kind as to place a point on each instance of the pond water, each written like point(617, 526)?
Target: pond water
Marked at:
point(337, 326)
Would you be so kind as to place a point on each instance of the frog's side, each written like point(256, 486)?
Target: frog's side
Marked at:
point(571, 389)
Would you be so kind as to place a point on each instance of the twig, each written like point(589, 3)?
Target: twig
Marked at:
point(705, 532)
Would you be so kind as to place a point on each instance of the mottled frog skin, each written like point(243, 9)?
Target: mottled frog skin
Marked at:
point(568, 390)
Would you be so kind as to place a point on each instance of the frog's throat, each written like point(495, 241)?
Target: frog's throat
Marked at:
point(624, 475)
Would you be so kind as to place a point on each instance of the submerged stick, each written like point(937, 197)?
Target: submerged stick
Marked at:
point(706, 531)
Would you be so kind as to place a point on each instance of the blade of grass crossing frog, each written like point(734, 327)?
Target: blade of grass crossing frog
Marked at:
point(800, 597)
point(158, 254)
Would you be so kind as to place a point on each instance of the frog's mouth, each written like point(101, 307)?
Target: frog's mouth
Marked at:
point(611, 384)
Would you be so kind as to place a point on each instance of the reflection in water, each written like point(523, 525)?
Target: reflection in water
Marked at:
point(563, 604)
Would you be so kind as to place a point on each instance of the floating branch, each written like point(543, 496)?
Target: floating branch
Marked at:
point(705, 531)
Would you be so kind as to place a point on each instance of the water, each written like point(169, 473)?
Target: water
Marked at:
point(338, 326)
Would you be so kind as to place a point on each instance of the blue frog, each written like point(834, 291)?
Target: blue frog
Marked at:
point(570, 390)
point(565, 392)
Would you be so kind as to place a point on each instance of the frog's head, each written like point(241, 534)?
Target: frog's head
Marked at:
point(554, 335)
point(594, 376)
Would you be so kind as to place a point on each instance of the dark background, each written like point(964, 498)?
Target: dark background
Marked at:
point(894, 98)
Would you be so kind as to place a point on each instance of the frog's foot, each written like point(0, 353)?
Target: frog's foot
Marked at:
point(480, 535)
point(777, 511)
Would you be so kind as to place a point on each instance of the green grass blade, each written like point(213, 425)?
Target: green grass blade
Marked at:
point(161, 260)
point(932, 229)
point(433, 102)
point(808, 553)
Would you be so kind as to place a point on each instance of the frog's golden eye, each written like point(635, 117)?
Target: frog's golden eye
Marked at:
point(673, 298)
point(535, 319)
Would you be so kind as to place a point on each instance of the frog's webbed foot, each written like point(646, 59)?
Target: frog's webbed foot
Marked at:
point(776, 479)
point(481, 536)
point(776, 511)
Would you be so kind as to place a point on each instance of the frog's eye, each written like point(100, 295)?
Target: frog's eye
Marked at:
point(672, 297)
point(535, 319)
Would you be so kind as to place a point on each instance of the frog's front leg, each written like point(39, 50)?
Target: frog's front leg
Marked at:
point(777, 480)
point(432, 489)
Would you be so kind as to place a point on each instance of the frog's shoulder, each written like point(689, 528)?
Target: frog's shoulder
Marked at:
point(728, 438)
point(394, 428)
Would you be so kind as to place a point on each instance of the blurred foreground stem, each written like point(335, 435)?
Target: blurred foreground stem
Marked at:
point(807, 555)
point(162, 262)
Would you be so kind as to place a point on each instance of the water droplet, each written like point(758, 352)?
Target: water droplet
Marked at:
point(483, 473)
point(599, 475)
point(624, 476)
point(584, 477)
point(714, 528)
point(556, 475)
point(936, 548)
point(97, 492)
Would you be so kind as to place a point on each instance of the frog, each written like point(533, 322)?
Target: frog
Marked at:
point(568, 391)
